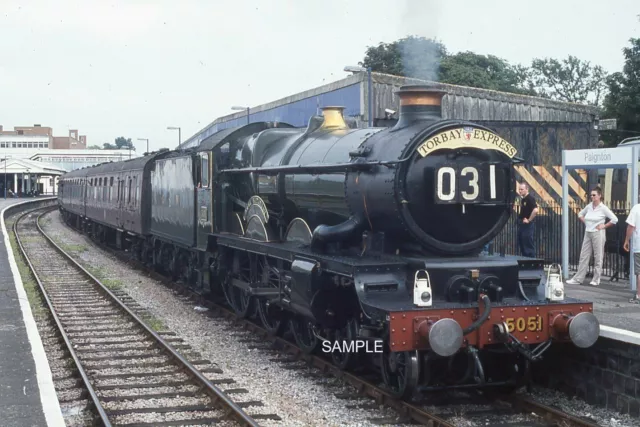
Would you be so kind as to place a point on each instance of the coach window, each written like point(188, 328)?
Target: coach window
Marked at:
point(129, 191)
point(111, 189)
point(135, 190)
point(204, 169)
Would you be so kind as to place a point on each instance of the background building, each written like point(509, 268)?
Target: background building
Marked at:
point(539, 128)
point(69, 160)
point(32, 158)
point(37, 136)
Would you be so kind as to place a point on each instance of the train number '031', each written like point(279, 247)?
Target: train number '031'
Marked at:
point(524, 324)
point(468, 184)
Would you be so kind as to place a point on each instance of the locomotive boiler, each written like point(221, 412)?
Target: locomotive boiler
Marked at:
point(425, 186)
point(338, 234)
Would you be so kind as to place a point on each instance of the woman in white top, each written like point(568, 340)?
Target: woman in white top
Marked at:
point(593, 216)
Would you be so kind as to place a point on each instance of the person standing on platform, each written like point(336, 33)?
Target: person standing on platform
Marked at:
point(593, 217)
point(633, 224)
point(528, 211)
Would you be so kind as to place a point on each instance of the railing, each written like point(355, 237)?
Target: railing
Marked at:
point(548, 238)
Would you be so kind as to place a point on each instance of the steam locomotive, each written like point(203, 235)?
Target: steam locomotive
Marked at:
point(339, 234)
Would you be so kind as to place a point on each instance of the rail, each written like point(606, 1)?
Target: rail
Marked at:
point(218, 397)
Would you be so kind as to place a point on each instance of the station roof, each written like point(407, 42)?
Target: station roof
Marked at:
point(18, 165)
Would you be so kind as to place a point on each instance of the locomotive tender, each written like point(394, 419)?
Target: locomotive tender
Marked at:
point(335, 233)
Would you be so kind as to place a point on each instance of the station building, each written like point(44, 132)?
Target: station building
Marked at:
point(539, 128)
point(32, 158)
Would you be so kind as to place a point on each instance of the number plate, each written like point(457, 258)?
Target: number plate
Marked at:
point(470, 184)
point(525, 324)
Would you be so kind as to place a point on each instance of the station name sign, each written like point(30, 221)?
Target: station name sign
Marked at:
point(599, 156)
point(466, 137)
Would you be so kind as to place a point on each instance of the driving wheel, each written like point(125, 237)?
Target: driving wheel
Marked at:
point(400, 372)
point(271, 315)
point(302, 330)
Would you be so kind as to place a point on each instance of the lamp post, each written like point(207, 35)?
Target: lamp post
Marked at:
point(5, 176)
point(239, 108)
point(179, 134)
point(354, 69)
point(145, 139)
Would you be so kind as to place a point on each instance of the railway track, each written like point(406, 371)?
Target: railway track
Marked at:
point(444, 410)
point(132, 375)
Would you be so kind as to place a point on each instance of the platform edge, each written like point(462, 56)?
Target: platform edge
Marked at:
point(48, 395)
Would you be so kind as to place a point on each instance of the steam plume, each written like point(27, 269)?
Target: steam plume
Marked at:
point(420, 58)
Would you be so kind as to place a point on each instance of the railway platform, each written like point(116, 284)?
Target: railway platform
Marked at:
point(27, 393)
point(610, 304)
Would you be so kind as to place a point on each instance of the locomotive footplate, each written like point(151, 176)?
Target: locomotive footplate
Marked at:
point(290, 251)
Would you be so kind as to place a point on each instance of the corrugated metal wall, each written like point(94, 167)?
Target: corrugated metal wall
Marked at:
point(467, 104)
point(539, 128)
point(296, 113)
point(542, 143)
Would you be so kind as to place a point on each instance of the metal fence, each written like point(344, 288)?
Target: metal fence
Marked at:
point(548, 238)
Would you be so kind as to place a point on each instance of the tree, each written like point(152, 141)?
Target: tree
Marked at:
point(93, 147)
point(107, 146)
point(623, 100)
point(427, 59)
point(570, 80)
point(411, 56)
point(486, 72)
point(122, 142)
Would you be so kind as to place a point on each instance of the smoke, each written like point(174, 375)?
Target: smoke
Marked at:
point(421, 52)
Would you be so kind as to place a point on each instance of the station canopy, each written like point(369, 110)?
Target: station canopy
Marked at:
point(24, 166)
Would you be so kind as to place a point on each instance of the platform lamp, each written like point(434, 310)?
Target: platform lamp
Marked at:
point(355, 69)
point(179, 134)
point(145, 139)
point(239, 108)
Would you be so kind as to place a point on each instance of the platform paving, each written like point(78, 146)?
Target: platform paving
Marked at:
point(610, 302)
point(25, 376)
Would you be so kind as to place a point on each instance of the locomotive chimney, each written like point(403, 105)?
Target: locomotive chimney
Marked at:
point(333, 118)
point(419, 102)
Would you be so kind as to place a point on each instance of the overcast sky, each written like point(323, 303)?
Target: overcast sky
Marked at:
point(132, 68)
